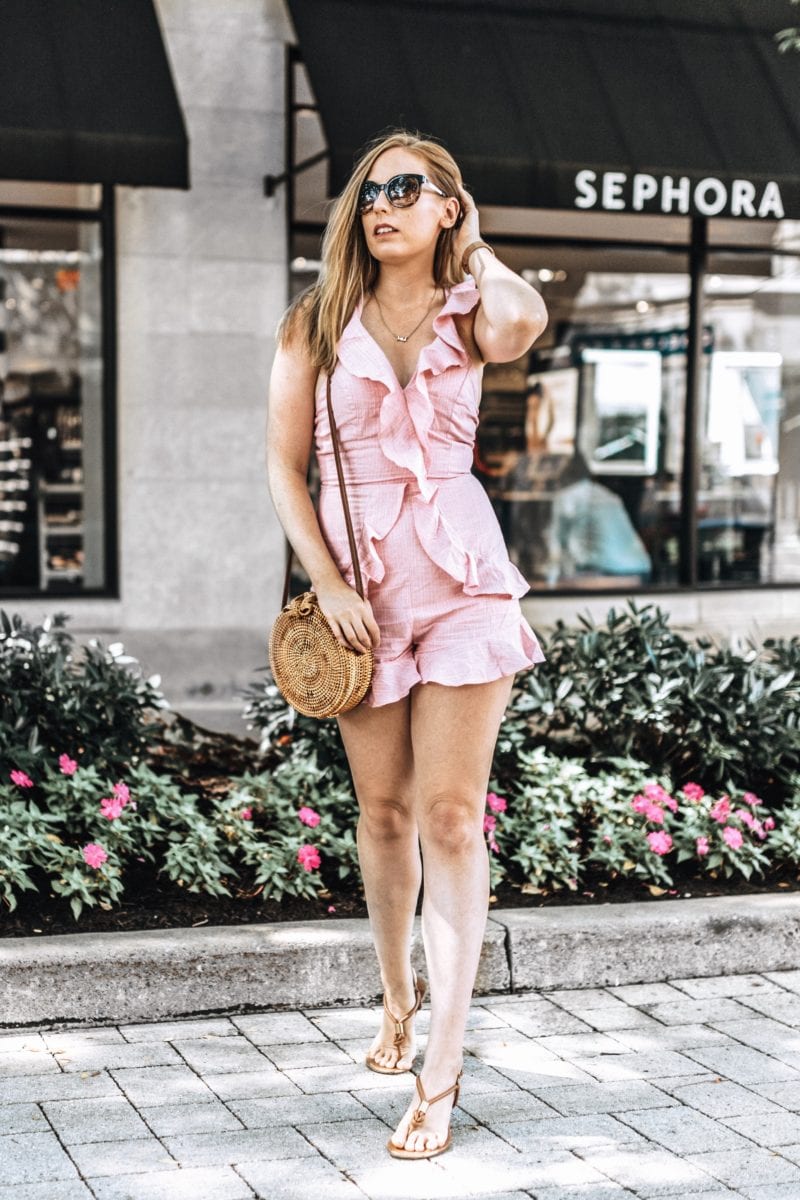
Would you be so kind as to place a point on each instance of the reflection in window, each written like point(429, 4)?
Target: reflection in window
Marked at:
point(748, 505)
point(580, 445)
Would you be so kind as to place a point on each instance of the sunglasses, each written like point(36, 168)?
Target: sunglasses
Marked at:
point(401, 191)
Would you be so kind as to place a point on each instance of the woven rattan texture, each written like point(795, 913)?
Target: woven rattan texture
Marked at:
point(316, 674)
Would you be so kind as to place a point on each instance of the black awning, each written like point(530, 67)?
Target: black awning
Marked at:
point(87, 95)
point(649, 98)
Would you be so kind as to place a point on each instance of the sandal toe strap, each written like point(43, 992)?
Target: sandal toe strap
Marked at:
point(420, 1112)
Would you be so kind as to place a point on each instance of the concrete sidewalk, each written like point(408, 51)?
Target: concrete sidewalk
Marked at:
point(689, 1088)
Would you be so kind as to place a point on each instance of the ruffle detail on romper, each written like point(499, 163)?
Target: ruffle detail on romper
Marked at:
point(392, 679)
point(407, 414)
point(478, 574)
point(406, 419)
point(483, 661)
point(376, 527)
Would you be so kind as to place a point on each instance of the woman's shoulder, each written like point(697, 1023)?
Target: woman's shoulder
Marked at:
point(294, 326)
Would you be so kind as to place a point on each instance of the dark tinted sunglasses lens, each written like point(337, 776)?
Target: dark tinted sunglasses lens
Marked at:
point(367, 197)
point(403, 190)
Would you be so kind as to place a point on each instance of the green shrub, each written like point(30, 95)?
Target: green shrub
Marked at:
point(93, 709)
point(636, 688)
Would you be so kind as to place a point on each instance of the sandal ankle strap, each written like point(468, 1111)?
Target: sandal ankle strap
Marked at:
point(399, 1022)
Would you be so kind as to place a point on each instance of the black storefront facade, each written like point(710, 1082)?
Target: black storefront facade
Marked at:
point(639, 163)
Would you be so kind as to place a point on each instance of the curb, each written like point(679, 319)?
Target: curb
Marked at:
point(158, 974)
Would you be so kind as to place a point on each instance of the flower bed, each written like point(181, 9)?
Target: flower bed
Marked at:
point(599, 787)
point(289, 833)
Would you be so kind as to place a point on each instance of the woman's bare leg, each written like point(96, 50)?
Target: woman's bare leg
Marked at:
point(378, 746)
point(453, 735)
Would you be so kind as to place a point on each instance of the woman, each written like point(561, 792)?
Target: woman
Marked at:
point(403, 331)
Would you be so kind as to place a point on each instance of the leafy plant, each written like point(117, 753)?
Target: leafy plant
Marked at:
point(560, 821)
point(75, 831)
point(91, 707)
point(636, 688)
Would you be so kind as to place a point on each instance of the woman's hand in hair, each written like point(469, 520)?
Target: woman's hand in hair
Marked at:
point(349, 616)
point(469, 229)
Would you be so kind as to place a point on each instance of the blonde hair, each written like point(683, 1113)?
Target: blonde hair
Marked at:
point(319, 314)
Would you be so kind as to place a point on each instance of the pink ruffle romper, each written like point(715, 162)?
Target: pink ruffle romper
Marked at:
point(435, 567)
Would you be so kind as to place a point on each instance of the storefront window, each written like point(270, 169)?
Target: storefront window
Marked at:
point(748, 503)
point(580, 445)
point(52, 493)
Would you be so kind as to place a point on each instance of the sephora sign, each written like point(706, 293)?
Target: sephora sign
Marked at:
point(619, 191)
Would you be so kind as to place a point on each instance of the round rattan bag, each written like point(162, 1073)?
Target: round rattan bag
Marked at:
point(316, 674)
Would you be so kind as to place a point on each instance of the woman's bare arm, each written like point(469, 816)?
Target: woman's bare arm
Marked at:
point(290, 430)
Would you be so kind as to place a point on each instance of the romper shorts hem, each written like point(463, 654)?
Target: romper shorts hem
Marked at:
point(453, 664)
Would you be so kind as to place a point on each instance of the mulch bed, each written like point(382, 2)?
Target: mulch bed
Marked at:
point(205, 761)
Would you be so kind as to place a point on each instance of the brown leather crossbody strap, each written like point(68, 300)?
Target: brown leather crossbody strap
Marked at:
point(345, 505)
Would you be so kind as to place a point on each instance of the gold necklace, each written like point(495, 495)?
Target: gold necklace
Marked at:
point(398, 337)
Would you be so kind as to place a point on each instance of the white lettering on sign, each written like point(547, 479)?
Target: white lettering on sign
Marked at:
point(613, 182)
point(644, 188)
point(771, 204)
point(708, 197)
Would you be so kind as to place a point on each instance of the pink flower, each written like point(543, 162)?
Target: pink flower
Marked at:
point(308, 857)
point(659, 842)
point(702, 846)
point(656, 793)
point(720, 810)
point(751, 799)
point(308, 816)
point(111, 807)
point(496, 803)
point(246, 814)
point(494, 846)
point(489, 823)
point(331, 908)
point(607, 837)
point(94, 855)
point(21, 779)
point(693, 791)
point(747, 818)
point(732, 836)
point(68, 765)
point(648, 805)
point(122, 792)
point(768, 823)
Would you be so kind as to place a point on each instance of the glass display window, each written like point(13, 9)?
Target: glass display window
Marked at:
point(748, 500)
point(580, 443)
point(52, 418)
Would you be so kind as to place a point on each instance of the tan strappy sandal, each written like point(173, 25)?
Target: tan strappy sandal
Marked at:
point(417, 1118)
point(420, 987)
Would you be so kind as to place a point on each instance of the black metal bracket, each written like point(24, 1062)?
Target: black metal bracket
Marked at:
point(271, 182)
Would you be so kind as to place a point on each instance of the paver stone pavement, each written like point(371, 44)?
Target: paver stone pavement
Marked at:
point(682, 1090)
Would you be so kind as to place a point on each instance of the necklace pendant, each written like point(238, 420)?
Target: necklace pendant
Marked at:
point(401, 339)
